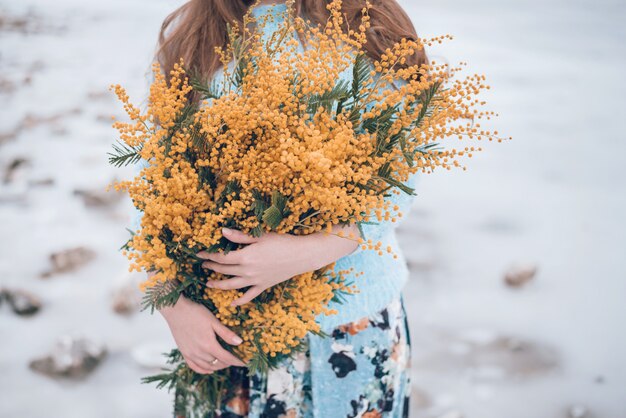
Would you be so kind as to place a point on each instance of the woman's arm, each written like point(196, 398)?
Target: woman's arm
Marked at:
point(274, 258)
point(195, 330)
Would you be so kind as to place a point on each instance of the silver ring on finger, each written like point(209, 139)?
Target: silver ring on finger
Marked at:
point(214, 361)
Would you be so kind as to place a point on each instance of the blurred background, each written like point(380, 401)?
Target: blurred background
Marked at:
point(517, 297)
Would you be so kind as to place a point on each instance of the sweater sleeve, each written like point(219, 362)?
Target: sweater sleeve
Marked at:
point(374, 230)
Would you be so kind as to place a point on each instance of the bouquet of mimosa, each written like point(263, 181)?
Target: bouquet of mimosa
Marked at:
point(280, 145)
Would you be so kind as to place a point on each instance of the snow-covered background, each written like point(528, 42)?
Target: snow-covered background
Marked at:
point(553, 198)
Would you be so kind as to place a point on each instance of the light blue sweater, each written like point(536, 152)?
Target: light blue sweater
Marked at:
point(383, 276)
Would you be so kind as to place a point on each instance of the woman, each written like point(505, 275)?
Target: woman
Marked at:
point(362, 368)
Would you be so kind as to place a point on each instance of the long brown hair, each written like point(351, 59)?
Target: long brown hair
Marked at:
point(196, 28)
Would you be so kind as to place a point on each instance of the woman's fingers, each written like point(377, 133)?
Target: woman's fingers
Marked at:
point(232, 257)
point(225, 357)
point(229, 284)
point(237, 236)
point(200, 366)
point(206, 361)
point(219, 366)
point(226, 334)
point(229, 269)
point(197, 368)
point(253, 292)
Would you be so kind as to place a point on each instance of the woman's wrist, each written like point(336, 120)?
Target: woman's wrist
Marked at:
point(326, 248)
point(168, 310)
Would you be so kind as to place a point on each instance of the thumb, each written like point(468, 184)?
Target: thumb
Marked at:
point(226, 334)
point(237, 236)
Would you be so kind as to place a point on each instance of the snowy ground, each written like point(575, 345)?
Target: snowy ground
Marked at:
point(555, 197)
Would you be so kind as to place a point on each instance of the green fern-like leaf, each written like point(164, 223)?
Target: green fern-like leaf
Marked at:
point(160, 295)
point(395, 183)
point(360, 74)
point(273, 215)
point(207, 92)
point(124, 154)
point(331, 98)
point(259, 361)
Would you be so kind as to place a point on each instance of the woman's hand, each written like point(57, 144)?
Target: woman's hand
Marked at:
point(195, 331)
point(274, 258)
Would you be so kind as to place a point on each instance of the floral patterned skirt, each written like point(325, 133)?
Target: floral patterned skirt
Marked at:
point(361, 371)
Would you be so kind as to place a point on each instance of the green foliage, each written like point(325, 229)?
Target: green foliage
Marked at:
point(276, 212)
point(395, 183)
point(206, 92)
point(331, 99)
point(360, 74)
point(259, 362)
point(196, 395)
point(160, 295)
point(123, 154)
point(184, 120)
point(126, 245)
